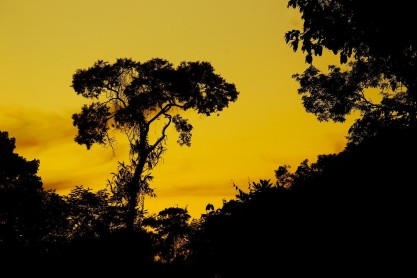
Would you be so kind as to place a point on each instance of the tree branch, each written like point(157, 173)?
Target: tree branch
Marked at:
point(160, 139)
point(368, 102)
point(117, 98)
point(162, 112)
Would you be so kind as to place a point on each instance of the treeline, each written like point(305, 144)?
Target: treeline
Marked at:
point(347, 213)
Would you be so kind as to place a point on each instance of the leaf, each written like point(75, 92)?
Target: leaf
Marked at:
point(309, 59)
point(318, 50)
point(343, 58)
point(393, 85)
point(294, 45)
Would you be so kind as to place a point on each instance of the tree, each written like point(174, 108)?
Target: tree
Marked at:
point(171, 230)
point(20, 194)
point(96, 233)
point(133, 98)
point(91, 215)
point(54, 222)
point(26, 221)
point(365, 196)
point(377, 42)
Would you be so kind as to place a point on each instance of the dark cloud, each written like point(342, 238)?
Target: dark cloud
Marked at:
point(35, 128)
point(49, 137)
point(62, 186)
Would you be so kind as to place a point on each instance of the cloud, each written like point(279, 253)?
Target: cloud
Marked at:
point(36, 129)
point(61, 186)
point(49, 137)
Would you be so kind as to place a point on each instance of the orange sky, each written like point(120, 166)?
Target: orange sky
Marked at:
point(44, 42)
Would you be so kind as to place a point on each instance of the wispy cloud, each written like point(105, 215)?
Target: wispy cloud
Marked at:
point(34, 128)
point(49, 137)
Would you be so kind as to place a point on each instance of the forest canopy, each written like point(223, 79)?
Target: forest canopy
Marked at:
point(378, 42)
point(349, 213)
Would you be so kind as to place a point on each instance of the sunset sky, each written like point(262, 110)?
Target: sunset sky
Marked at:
point(44, 42)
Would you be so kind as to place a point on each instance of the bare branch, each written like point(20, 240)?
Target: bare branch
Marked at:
point(368, 102)
point(117, 98)
point(160, 139)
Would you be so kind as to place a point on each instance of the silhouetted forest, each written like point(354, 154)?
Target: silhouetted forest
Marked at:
point(346, 214)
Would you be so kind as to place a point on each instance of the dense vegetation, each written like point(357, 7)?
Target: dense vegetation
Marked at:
point(346, 214)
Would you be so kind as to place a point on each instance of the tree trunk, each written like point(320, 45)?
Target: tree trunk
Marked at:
point(134, 190)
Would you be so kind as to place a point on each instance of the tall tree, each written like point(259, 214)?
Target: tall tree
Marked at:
point(377, 42)
point(139, 99)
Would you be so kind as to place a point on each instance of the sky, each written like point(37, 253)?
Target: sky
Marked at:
point(44, 42)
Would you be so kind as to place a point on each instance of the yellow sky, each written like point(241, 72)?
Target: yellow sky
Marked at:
point(44, 42)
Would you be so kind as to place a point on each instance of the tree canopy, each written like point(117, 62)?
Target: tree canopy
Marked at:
point(20, 194)
point(134, 98)
point(347, 213)
point(378, 43)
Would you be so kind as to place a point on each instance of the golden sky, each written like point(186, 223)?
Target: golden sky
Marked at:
point(44, 42)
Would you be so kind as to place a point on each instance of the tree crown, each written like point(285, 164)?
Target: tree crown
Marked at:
point(380, 39)
point(136, 94)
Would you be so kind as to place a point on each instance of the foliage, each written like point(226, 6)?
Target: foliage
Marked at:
point(92, 215)
point(20, 194)
point(32, 220)
point(119, 192)
point(55, 214)
point(139, 99)
point(344, 214)
point(377, 43)
point(170, 232)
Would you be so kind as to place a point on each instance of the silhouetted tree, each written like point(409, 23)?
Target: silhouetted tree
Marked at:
point(365, 196)
point(95, 234)
point(345, 214)
point(20, 197)
point(378, 43)
point(251, 235)
point(209, 207)
point(33, 221)
point(119, 190)
point(139, 99)
point(54, 222)
point(91, 214)
point(171, 230)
